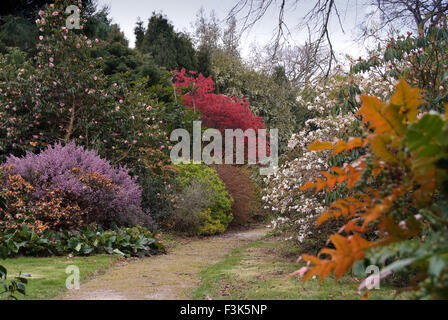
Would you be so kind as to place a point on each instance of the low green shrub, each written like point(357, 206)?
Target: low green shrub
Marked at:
point(192, 201)
point(216, 216)
point(89, 240)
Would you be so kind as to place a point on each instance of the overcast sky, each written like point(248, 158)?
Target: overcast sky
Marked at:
point(183, 14)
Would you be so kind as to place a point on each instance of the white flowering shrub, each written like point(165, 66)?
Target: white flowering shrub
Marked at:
point(334, 103)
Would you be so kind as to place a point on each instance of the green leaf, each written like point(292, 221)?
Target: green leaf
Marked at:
point(359, 269)
point(116, 251)
point(398, 265)
point(423, 136)
point(3, 272)
point(437, 264)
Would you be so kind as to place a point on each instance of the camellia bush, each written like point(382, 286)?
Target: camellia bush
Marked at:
point(396, 214)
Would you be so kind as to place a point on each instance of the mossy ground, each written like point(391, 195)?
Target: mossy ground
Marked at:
point(259, 271)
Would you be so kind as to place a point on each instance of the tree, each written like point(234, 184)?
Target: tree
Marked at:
point(301, 63)
point(317, 19)
point(206, 38)
point(24, 8)
point(416, 14)
point(139, 32)
point(169, 49)
point(208, 32)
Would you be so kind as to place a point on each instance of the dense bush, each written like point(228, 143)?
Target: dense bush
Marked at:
point(246, 205)
point(88, 240)
point(187, 216)
point(332, 102)
point(217, 111)
point(421, 59)
point(74, 180)
point(194, 179)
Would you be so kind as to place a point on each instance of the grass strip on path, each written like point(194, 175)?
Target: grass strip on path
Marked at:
point(259, 271)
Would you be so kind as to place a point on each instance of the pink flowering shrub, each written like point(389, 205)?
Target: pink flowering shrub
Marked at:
point(108, 194)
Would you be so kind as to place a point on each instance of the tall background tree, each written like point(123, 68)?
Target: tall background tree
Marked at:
point(170, 49)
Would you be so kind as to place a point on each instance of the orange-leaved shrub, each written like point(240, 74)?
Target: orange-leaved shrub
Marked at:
point(399, 192)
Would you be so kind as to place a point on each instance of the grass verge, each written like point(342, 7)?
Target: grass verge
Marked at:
point(258, 271)
point(48, 274)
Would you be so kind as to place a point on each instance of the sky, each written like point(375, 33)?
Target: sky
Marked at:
point(183, 15)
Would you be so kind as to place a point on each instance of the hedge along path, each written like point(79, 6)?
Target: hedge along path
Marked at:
point(164, 277)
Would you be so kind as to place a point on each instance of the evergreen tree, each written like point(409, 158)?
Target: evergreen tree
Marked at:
point(139, 32)
point(169, 49)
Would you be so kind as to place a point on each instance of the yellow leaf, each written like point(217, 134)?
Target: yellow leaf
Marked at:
point(378, 144)
point(409, 99)
point(319, 146)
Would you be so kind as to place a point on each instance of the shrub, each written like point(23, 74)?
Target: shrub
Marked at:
point(400, 192)
point(242, 189)
point(136, 241)
point(187, 217)
point(70, 176)
point(333, 103)
point(217, 111)
point(220, 200)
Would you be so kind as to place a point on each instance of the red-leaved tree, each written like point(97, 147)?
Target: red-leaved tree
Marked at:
point(217, 111)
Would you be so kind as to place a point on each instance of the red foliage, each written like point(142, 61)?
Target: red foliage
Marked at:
point(218, 111)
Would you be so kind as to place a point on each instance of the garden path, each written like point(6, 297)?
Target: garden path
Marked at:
point(164, 277)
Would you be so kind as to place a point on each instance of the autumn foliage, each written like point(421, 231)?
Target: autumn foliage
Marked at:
point(217, 111)
point(402, 166)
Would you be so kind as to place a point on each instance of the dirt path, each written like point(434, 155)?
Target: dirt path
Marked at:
point(164, 277)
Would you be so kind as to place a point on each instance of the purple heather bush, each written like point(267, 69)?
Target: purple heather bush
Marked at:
point(60, 167)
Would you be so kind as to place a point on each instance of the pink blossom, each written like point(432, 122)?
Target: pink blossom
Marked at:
point(41, 38)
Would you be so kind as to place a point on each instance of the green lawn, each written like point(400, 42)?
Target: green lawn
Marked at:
point(258, 271)
point(48, 274)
